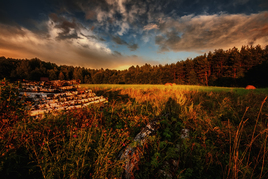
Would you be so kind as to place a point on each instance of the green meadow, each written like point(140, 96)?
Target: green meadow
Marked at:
point(178, 87)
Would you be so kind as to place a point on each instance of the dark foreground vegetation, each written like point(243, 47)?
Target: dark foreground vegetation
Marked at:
point(227, 136)
point(233, 67)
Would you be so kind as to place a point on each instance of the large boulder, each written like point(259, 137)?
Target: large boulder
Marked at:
point(250, 87)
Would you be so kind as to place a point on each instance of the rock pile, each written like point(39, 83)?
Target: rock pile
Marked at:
point(57, 95)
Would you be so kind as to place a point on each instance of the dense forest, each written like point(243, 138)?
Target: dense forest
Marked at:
point(232, 67)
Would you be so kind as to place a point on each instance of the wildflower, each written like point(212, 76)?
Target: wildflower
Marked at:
point(74, 136)
point(43, 143)
point(123, 144)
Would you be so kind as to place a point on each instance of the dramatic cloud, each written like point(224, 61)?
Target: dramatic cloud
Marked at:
point(194, 33)
point(94, 33)
point(82, 51)
point(68, 29)
point(119, 41)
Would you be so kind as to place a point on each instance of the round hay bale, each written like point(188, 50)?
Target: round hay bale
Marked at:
point(250, 87)
point(168, 84)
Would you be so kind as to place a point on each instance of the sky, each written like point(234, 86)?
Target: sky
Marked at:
point(117, 34)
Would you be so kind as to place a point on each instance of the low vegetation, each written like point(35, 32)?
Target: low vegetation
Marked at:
point(227, 134)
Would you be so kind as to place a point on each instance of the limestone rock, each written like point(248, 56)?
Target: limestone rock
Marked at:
point(132, 154)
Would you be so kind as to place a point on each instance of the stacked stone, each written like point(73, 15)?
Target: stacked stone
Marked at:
point(47, 97)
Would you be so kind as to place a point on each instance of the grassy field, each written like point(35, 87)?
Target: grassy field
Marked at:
point(241, 91)
point(227, 134)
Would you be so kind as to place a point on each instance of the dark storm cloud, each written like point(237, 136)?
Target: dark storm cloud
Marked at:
point(119, 41)
point(64, 36)
point(133, 47)
point(66, 25)
point(89, 36)
point(91, 15)
point(117, 53)
point(101, 39)
point(68, 28)
point(73, 6)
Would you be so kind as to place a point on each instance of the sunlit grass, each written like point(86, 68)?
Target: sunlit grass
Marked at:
point(241, 91)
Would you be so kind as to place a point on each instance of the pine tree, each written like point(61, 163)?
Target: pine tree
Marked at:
point(201, 66)
point(180, 73)
point(61, 76)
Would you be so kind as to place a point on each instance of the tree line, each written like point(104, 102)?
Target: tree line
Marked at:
point(231, 67)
